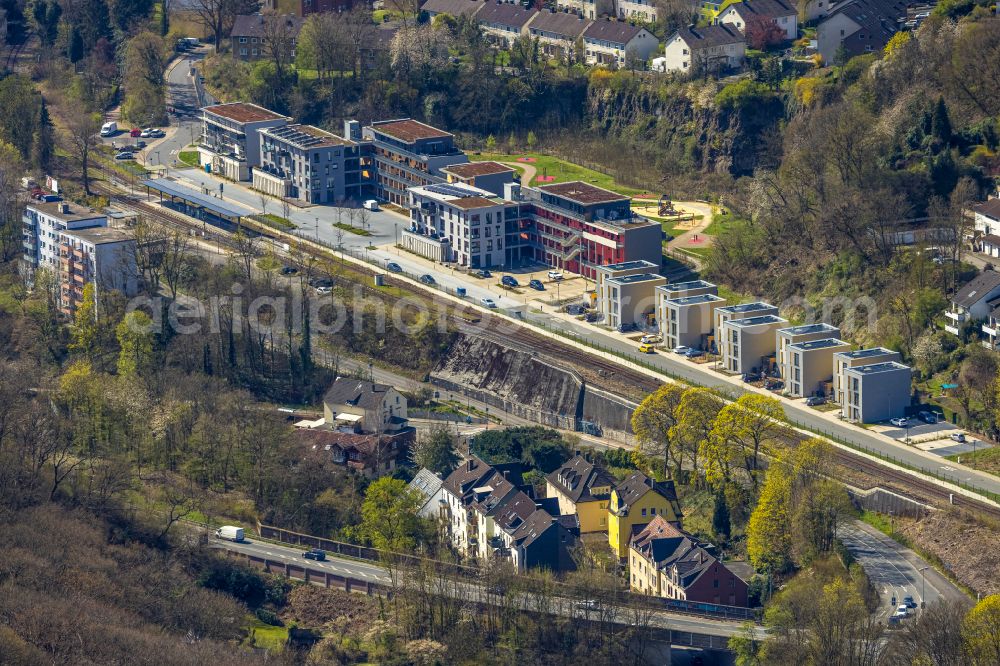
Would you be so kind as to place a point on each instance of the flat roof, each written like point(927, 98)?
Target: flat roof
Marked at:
point(307, 136)
point(99, 235)
point(74, 212)
point(638, 277)
point(687, 286)
point(628, 265)
point(754, 321)
point(866, 353)
point(748, 307)
point(812, 345)
point(821, 327)
point(877, 368)
point(695, 300)
point(194, 197)
point(244, 112)
point(468, 203)
point(408, 130)
point(582, 193)
point(472, 169)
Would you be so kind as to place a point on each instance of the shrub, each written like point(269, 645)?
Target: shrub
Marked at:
point(268, 617)
point(742, 94)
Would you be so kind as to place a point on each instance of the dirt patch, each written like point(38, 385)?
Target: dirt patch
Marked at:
point(317, 607)
point(966, 547)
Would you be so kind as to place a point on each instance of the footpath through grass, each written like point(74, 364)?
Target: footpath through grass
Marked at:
point(559, 170)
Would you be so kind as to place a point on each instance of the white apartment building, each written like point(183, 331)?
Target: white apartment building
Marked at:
point(713, 47)
point(637, 10)
point(748, 12)
point(687, 320)
point(230, 139)
point(42, 227)
point(614, 43)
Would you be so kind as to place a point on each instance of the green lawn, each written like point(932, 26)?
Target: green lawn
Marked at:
point(189, 157)
point(721, 223)
point(984, 460)
point(274, 221)
point(268, 637)
point(354, 230)
point(562, 170)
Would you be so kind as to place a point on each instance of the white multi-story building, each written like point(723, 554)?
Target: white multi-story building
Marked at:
point(876, 392)
point(636, 10)
point(795, 334)
point(612, 43)
point(987, 227)
point(230, 137)
point(744, 15)
point(713, 48)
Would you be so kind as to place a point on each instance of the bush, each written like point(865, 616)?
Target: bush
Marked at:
point(743, 94)
point(268, 617)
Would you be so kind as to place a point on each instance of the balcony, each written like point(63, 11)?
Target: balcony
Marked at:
point(951, 329)
point(990, 330)
point(958, 317)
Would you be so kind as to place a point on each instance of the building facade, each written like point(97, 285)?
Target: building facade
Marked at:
point(100, 256)
point(974, 301)
point(876, 392)
point(248, 38)
point(744, 15)
point(230, 137)
point(795, 334)
point(636, 501)
point(687, 321)
point(851, 359)
point(314, 166)
point(712, 48)
point(626, 290)
point(504, 22)
point(748, 344)
point(584, 489)
point(560, 33)
point(856, 27)
point(614, 43)
point(810, 366)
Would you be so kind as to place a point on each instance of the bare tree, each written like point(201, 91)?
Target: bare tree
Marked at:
point(246, 249)
point(82, 134)
point(175, 254)
point(264, 201)
point(286, 209)
point(217, 16)
point(279, 34)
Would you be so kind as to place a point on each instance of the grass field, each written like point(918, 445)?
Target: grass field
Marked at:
point(189, 157)
point(984, 460)
point(721, 223)
point(561, 170)
point(268, 637)
point(353, 230)
point(274, 221)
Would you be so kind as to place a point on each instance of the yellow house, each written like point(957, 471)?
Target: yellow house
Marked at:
point(582, 488)
point(634, 503)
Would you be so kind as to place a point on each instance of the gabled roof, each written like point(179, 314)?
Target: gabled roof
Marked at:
point(426, 483)
point(710, 35)
point(669, 547)
point(356, 392)
point(453, 7)
point(761, 8)
point(638, 484)
point(616, 32)
point(577, 476)
point(978, 289)
point(536, 524)
point(565, 24)
point(877, 19)
point(252, 25)
point(467, 476)
point(346, 441)
point(515, 512)
point(508, 14)
point(989, 208)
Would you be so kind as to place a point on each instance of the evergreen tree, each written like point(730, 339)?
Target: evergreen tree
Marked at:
point(941, 123)
point(720, 517)
point(74, 51)
point(305, 350)
point(42, 141)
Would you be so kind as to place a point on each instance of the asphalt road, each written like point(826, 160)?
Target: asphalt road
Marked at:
point(375, 573)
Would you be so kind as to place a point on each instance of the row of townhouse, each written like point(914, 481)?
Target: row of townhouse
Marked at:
point(752, 339)
point(560, 34)
point(76, 246)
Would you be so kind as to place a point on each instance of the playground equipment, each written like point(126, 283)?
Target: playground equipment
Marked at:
point(665, 206)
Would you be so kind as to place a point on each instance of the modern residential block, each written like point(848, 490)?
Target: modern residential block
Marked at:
point(636, 501)
point(584, 489)
point(490, 176)
point(230, 139)
point(742, 311)
point(314, 166)
point(42, 227)
point(810, 366)
point(876, 392)
point(686, 320)
point(796, 334)
point(665, 561)
point(748, 344)
point(851, 359)
point(692, 288)
point(101, 256)
point(409, 153)
point(626, 291)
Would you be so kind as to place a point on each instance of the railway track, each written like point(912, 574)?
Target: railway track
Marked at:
point(906, 483)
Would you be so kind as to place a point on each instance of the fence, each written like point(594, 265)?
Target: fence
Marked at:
point(448, 417)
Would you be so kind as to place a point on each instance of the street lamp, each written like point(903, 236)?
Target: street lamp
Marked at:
point(317, 227)
point(923, 587)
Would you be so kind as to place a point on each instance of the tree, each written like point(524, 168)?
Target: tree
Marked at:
point(931, 638)
point(532, 140)
point(83, 129)
point(651, 423)
point(720, 518)
point(940, 122)
point(86, 330)
point(981, 632)
point(741, 433)
point(11, 204)
point(42, 141)
point(696, 415)
point(389, 517)
point(135, 339)
point(217, 16)
point(769, 544)
point(436, 451)
point(491, 143)
point(762, 32)
point(280, 33)
point(818, 507)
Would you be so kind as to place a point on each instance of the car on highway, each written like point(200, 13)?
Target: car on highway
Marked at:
point(289, 270)
point(899, 422)
point(509, 281)
point(315, 554)
point(647, 348)
point(815, 400)
point(928, 417)
point(957, 437)
point(427, 279)
point(488, 303)
point(536, 285)
point(555, 275)
point(683, 349)
point(483, 273)
point(694, 353)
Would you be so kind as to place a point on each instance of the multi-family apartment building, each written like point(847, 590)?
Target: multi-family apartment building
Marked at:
point(741, 311)
point(558, 33)
point(503, 22)
point(636, 501)
point(855, 27)
point(590, 9)
point(626, 292)
point(986, 225)
point(810, 366)
point(851, 359)
point(749, 15)
point(249, 35)
point(409, 153)
point(314, 166)
point(795, 334)
point(230, 139)
point(583, 488)
point(974, 301)
point(613, 43)
point(456, 8)
point(460, 223)
point(636, 10)
point(307, 7)
point(490, 176)
point(748, 344)
point(875, 392)
point(687, 321)
point(77, 248)
point(711, 48)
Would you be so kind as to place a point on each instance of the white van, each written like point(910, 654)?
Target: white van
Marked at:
point(370, 204)
point(230, 533)
point(109, 129)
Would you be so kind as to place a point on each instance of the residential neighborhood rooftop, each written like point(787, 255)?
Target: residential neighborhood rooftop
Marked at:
point(510, 14)
point(577, 478)
point(639, 277)
point(989, 208)
point(813, 345)
point(747, 307)
point(65, 211)
point(687, 286)
point(616, 32)
point(582, 193)
point(473, 169)
point(866, 353)
point(307, 136)
point(876, 368)
point(356, 392)
point(568, 24)
point(977, 289)
point(453, 7)
point(710, 35)
point(820, 327)
point(253, 25)
point(100, 235)
point(244, 112)
point(409, 130)
point(763, 8)
point(695, 300)
point(756, 321)
point(628, 265)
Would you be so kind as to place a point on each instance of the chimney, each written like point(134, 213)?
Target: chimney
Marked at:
point(506, 475)
point(64, 207)
point(470, 465)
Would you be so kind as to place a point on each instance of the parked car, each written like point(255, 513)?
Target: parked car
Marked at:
point(928, 417)
point(683, 349)
point(555, 275)
point(509, 281)
point(315, 554)
point(899, 422)
point(323, 290)
point(694, 353)
point(289, 270)
point(427, 279)
point(320, 282)
point(488, 303)
point(537, 285)
point(394, 267)
point(125, 155)
point(592, 316)
point(370, 204)
point(575, 309)
point(649, 337)
point(627, 326)
point(773, 385)
point(156, 133)
point(958, 437)
point(109, 129)
point(140, 144)
point(483, 273)
point(815, 400)
point(909, 602)
point(903, 608)
point(750, 377)
point(647, 348)
point(135, 133)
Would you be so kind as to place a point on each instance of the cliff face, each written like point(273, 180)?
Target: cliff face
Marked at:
point(683, 123)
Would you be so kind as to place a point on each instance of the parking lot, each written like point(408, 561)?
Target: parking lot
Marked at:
point(916, 429)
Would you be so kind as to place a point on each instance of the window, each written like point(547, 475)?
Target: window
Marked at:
point(644, 512)
point(715, 583)
point(243, 40)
